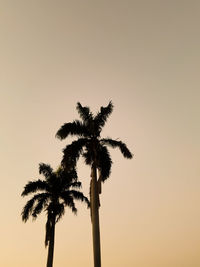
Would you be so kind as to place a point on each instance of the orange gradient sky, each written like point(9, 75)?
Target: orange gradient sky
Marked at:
point(142, 55)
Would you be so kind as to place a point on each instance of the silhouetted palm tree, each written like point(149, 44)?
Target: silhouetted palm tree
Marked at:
point(52, 194)
point(94, 150)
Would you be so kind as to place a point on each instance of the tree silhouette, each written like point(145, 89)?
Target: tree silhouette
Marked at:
point(53, 194)
point(94, 149)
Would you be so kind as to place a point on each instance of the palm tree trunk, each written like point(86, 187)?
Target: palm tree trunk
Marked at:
point(51, 245)
point(95, 218)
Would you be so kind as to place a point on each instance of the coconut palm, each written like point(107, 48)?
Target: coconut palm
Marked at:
point(94, 149)
point(52, 194)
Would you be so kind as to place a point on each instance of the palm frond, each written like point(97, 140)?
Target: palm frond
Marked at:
point(28, 208)
point(75, 185)
point(75, 128)
point(67, 176)
point(84, 113)
point(79, 196)
point(60, 211)
point(102, 116)
point(41, 204)
point(72, 153)
point(45, 169)
point(33, 186)
point(73, 207)
point(122, 146)
point(68, 201)
point(88, 154)
point(104, 162)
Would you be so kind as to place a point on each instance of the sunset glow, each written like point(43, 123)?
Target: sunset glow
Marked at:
point(142, 55)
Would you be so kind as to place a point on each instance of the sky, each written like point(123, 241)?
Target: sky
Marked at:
point(144, 56)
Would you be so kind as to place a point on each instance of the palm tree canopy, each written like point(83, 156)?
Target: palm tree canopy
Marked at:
point(89, 143)
point(54, 193)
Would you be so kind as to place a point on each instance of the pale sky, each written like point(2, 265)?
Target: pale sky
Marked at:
point(144, 56)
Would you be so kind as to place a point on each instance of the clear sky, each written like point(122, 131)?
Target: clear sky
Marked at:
point(142, 55)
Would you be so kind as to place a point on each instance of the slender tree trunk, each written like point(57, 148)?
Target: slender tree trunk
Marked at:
point(95, 218)
point(51, 245)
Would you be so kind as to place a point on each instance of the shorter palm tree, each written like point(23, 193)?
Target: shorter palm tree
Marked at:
point(52, 195)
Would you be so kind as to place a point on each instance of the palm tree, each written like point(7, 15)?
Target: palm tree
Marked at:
point(93, 148)
point(53, 194)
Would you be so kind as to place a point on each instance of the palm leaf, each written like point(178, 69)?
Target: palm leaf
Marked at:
point(84, 113)
point(102, 116)
point(60, 211)
point(88, 154)
point(41, 204)
point(79, 196)
point(104, 162)
point(74, 185)
point(72, 128)
point(28, 208)
point(45, 169)
point(33, 186)
point(68, 201)
point(67, 176)
point(122, 146)
point(72, 153)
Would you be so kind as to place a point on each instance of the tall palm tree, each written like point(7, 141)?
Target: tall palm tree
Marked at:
point(93, 148)
point(53, 194)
